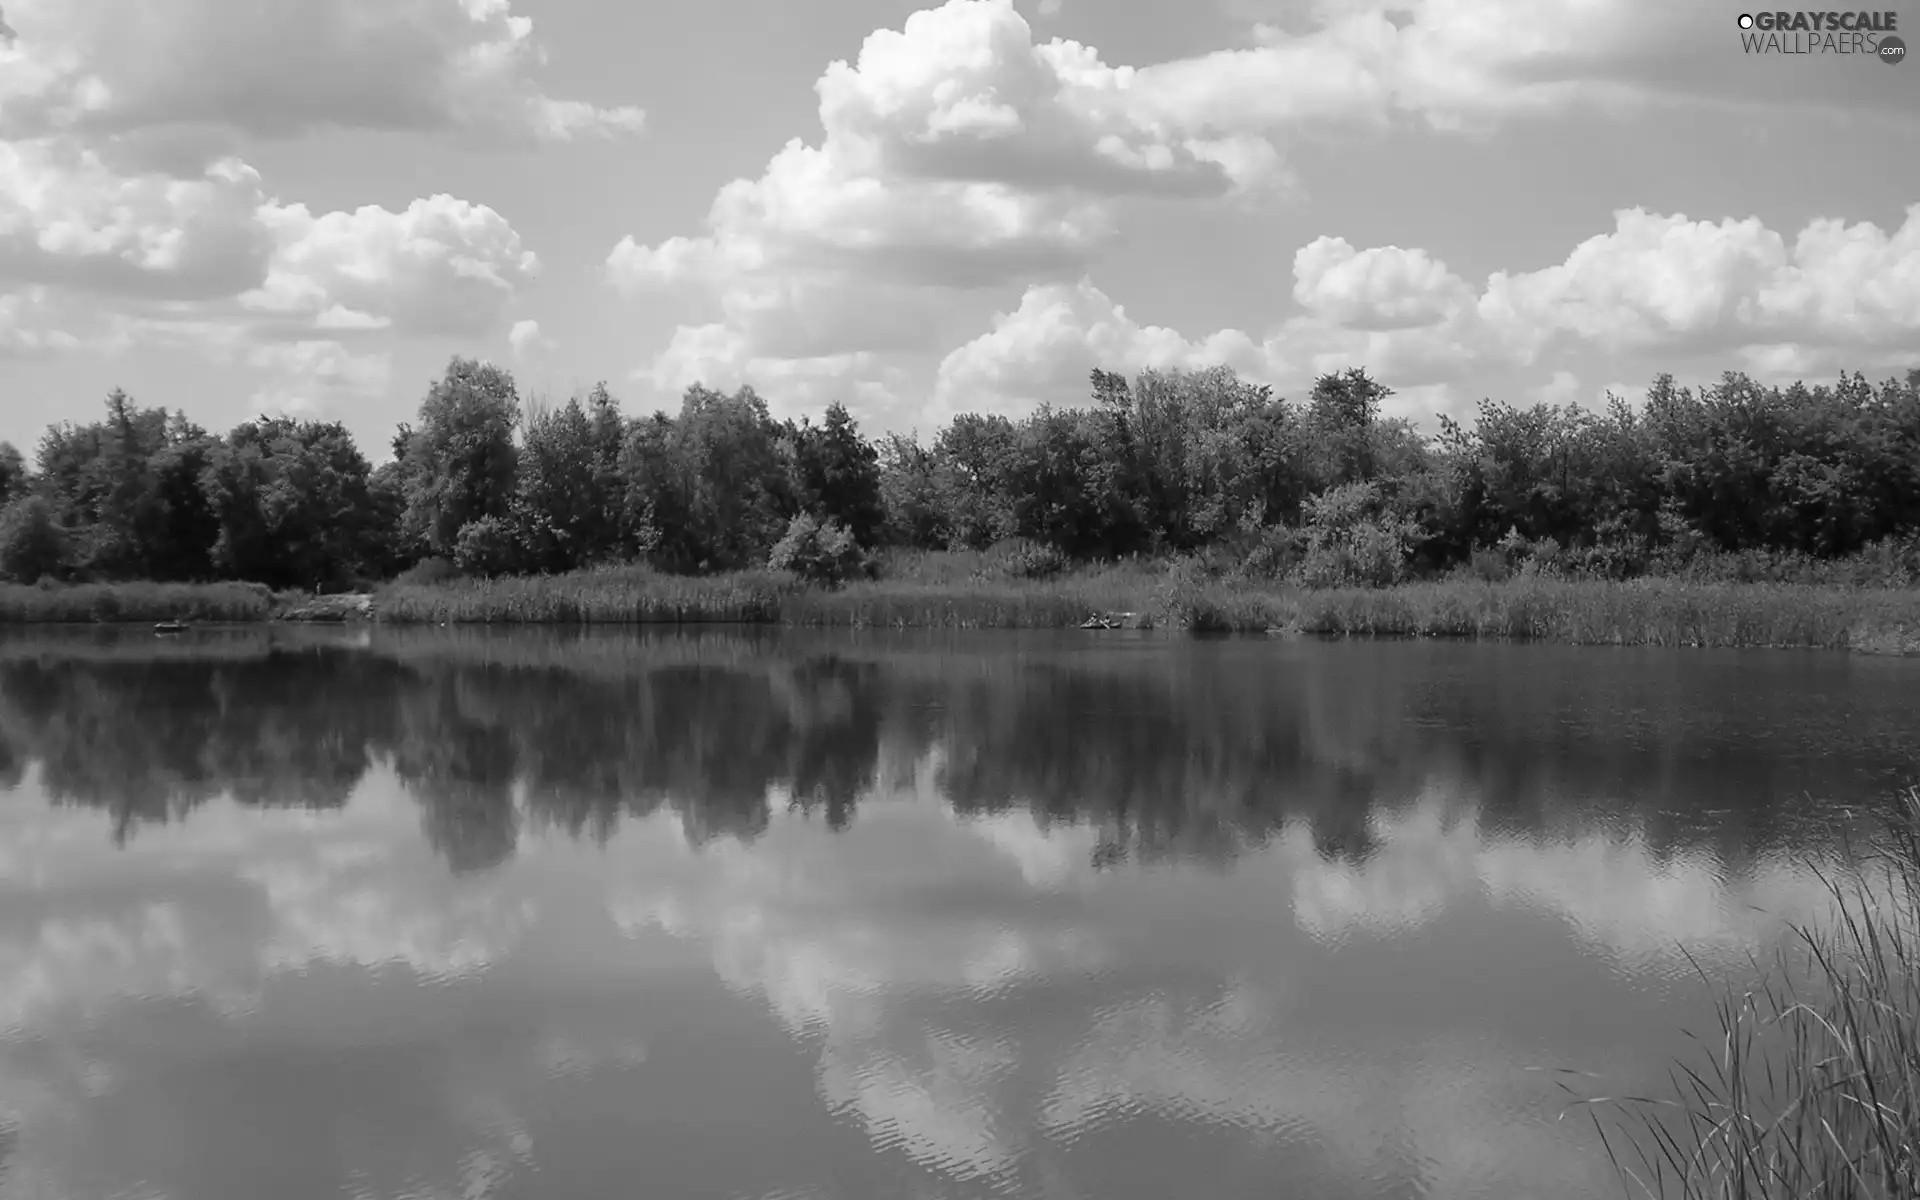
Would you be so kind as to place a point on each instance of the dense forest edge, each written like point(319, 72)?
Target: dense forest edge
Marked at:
point(1735, 514)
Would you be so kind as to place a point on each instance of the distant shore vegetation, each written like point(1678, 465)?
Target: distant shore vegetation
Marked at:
point(1172, 499)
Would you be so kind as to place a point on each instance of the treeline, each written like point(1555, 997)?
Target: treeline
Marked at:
point(1325, 491)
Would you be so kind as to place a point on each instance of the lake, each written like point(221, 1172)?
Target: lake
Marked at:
point(464, 913)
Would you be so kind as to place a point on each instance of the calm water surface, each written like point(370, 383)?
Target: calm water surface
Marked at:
point(303, 915)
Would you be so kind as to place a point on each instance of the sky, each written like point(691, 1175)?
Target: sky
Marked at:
point(308, 206)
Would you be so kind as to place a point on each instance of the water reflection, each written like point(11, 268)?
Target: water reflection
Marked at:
point(748, 916)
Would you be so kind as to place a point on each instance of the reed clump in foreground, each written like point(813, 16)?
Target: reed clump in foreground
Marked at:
point(136, 601)
point(1811, 1087)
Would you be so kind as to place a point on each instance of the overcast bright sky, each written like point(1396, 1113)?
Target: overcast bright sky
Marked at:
point(308, 205)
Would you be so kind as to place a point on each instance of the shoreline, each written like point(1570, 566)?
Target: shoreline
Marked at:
point(1644, 612)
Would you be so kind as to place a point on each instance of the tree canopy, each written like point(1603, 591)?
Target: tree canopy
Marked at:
point(1164, 463)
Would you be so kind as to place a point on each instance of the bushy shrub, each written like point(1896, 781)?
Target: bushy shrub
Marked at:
point(1036, 562)
point(1019, 558)
point(485, 547)
point(818, 552)
point(428, 572)
point(1490, 565)
point(1354, 540)
point(1271, 553)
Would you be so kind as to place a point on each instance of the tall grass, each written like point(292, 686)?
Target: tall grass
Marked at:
point(1020, 588)
point(623, 594)
point(1646, 612)
point(91, 602)
point(999, 591)
point(1811, 1087)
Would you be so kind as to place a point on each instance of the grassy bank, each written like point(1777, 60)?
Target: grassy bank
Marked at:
point(102, 602)
point(1810, 1085)
point(963, 592)
point(1651, 612)
point(605, 595)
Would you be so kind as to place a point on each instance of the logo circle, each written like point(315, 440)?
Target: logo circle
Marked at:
point(1892, 50)
point(1746, 20)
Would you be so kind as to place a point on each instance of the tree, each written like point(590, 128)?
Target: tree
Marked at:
point(560, 511)
point(839, 474)
point(980, 452)
point(13, 473)
point(912, 484)
point(461, 461)
point(736, 487)
point(292, 503)
point(125, 488)
point(32, 544)
point(1342, 411)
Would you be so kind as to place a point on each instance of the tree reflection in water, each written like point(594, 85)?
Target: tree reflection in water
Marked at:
point(1199, 753)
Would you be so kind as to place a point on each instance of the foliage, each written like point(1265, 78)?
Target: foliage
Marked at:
point(461, 461)
point(292, 503)
point(32, 544)
point(838, 474)
point(485, 546)
point(1352, 540)
point(1736, 481)
point(13, 473)
point(819, 553)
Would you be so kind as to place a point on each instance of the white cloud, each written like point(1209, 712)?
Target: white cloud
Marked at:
point(872, 386)
point(526, 339)
point(282, 67)
point(442, 267)
point(305, 377)
point(105, 259)
point(67, 218)
point(1838, 295)
point(1382, 288)
point(957, 153)
point(1046, 348)
point(119, 225)
point(1562, 389)
point(29, 326)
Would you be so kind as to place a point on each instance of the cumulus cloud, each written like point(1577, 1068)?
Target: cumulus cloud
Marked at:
point(282, 67)
point(444, 266)
point(305, 378)
point(720, 357)
point(30, 324)
point(1837, 295)
point(97, 259)
point(1465, 64)
point(128, 217)
point(956, 153)
point(67, 218)
point(1045, 348)
point(1378, 289)
point(960, 152)
point(526, 339)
